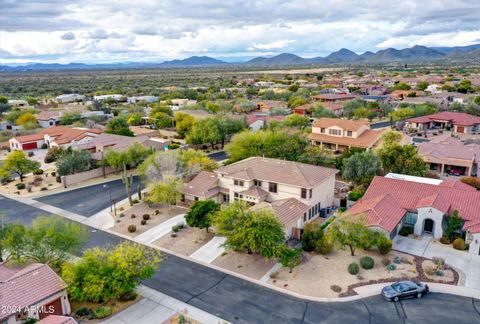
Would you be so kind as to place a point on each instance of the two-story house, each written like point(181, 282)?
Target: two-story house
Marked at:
point(296, 192)
point(340, 134)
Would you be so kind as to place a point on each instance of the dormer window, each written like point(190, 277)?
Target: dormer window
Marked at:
point(238, 183)
point(257, 183)
point(336, 132)
point(349, 133)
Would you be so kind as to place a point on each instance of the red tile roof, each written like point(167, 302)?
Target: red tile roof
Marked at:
point(409, 196)
point(455, 118)
point(27, 286)
point(61, 134)
point(57, 319)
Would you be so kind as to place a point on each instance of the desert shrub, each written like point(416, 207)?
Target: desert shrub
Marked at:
point(133, 216)
point(471, 181)
point(44, 189)
point(274, 274)
point(38, 171)
point(102, 312)
point(173, 234)
point(391, 267)
point(324, 246)
point(135, 201)
point(157, 212)
point(429, 270)
point(58, 179)
point(84, 312)
point(459, 244)
point(439, 262)
point(445, 240)
point(146, 216)
point(143, 222)
point(353, 268)
point(355, 195)
point(405, 231)
point(121, 215)
point(128, 296)
point(336, 288)
point(367, 263)
point(439, 273)
point(384, 245)
point(20, 186)
point(397, 260)
point(132, 228)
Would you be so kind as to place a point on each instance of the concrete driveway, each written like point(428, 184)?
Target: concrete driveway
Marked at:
point(466, 262)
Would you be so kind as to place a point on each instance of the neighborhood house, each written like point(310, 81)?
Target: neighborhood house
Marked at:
point(460, 123)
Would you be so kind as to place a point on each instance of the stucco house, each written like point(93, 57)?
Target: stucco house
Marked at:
point(340, 134)
point(395, 201)
point(296, 192)
point(47, 118)
point(36, 289)
point(459, 123)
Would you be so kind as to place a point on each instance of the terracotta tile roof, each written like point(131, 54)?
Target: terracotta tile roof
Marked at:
point(61, 134)
point(287, 210)
point(410, 195)
point(334, 96)
point(27, 286)
point(47, 115)
point(346, 124)
point(205, 184)
point(279, 171)
point(455, 118)
point(57, 319)
point(445, 151)
point(366, 140)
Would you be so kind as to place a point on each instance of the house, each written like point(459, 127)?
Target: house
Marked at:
point(442, 103)
point(259, 121)
point(115, 97)
point(334, 97)
point(145, 99)
point(18, 103)
point(460, 123)
point(340, 134)
point(53, 136)
point(181, 103)
point(36, 289)
point(395, 201)
point(57, 319)
point(402, 94)
point(305, 110)
point(47, 118)
point(451, 157)
point(296, 192)
point(434, 88)
point(71, 97)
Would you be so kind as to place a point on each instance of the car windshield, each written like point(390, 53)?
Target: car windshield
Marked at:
point(400, 287)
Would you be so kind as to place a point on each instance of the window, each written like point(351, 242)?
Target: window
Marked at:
point(195, 198)
point(304, 193)
point(316, 209)
point(305, 217)
point(411, 218)
point(336, 132)
point(322, 130)
point(257, 183)
point(235, 194)
point(349, 133)
point(309, 213)
point(238, 183)
point(310, 193)
point(272, 187)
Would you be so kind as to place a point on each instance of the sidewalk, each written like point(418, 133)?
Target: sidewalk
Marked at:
point(51, 209)
point(466, 262)
point(160, 230)
point(210, 251)
point(156, 307)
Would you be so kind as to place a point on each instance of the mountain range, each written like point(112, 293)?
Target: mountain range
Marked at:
point(416, 53)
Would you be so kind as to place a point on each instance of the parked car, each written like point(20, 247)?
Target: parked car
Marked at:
point(404, 289)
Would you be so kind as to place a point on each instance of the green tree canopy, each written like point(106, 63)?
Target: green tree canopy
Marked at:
point(69, 118)
point(73, 161)
point(183, 123)
point(296, 121)
point(200, 214)
point(17, 162)
point(350, 232)
point(361, 167)
point(400, 159)
point(118, 126)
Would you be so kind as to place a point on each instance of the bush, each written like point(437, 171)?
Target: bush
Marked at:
point(405, 231)
point(355, 195)
point(459, 244)
point(397, 260)
point(384, 246)
point(173, 146)
point(429, 270)
point(310, 236)
point(135, 201)
point(58, 179)
point(324, 246)
point(353, 268)
point(143, 222)
point(20, 186)
point(177, 228)
point(132, 228)
point(133, 216)
point(44, 146)
point(157, 212)
point(38, 171)
point(391, 267)
point(471, 181)
point(44, 189)
point(102, 312)
point(440, 273)
point(445, 240)
point(146, 216)
point(367, 263)
point(128, 296)
point(336, 288)
point(439, 262)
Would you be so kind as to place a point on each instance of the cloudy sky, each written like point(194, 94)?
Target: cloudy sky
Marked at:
point(156, 30)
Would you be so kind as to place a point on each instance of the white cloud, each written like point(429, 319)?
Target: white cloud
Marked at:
point(278, 44)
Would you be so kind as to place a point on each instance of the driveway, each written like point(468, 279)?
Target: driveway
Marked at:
point(466, 262)
point(90, 200)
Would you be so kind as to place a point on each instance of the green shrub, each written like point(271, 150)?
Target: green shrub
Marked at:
point(132, 228)
point(367, 263)
point(459, 244)
point(391, 267)
point(355, 195)
point(342, 209)
point(38, 171)
point(384, 245)
point(353, 268)
point(84, 312)
point(143, 222)
point(58, 179)
point(397, 260)
point(173, 146)
point(405, 231)
point(146, 217)
point(20, 186)
point(324, 246)
point(102, 312)
point(445, 240)
point(310, 236)
point(128, 296)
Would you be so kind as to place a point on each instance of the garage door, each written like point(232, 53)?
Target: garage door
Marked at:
point(29, 146)
point(53, 308)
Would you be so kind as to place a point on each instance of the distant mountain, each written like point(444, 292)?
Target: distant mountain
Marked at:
point(281, 59)
point(367, 55)
point(193, 61)
point(342, 56)
point(416, 53)
point(461, 49)
point(460, 56)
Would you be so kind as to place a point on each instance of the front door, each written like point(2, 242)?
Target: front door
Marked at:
point(428, 226)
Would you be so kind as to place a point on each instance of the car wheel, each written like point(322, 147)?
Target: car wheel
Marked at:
point(395, 299)
point(419, 295)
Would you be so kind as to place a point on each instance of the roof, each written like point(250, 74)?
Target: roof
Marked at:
point(61, 134)
point(287, 210)
point(346, 124)
point(280, 171)
point(334, 96)
point(57, 319)
point(253, 118)
point(366, 139)
point(254, 192)
point(28, 285)
point(47, 115)
point(205, 184)
point(455, 118)
point(445, 151)
point(411, 195)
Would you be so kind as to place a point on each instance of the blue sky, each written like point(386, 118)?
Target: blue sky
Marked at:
point(156, 30)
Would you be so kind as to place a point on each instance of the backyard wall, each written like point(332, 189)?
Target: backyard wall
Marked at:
point(84, 176)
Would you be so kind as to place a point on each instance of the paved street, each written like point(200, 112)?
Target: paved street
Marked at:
point(90, 200)
point(239, 301)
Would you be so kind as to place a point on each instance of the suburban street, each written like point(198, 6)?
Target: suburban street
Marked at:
point(239, 301)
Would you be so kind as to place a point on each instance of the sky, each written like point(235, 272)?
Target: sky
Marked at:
point(96, 31)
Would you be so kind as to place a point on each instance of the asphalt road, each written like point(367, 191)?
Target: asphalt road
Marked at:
point(88, 201)
point(218, 156)
point(240, 301)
